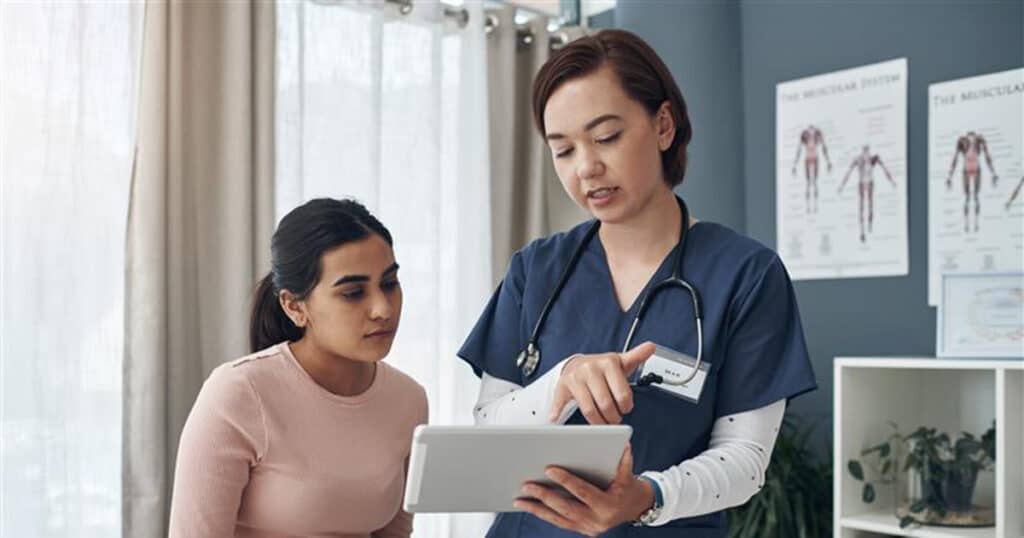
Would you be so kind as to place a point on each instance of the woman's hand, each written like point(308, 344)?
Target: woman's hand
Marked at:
point(591, 511)
point(599, 384)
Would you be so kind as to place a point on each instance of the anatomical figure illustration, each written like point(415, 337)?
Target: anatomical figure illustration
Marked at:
point(864, 163)
point(810, 139)
point(972, 146)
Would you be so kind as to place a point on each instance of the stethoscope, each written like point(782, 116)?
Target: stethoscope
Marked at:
point(529, 357)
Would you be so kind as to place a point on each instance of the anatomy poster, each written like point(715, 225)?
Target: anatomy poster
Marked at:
point(975, 173)
point(841, 172)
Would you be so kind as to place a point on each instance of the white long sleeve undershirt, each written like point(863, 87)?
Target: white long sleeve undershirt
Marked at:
point(727, 474)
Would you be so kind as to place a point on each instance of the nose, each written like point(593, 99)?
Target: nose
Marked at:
point(381, 308)
point(589, 164)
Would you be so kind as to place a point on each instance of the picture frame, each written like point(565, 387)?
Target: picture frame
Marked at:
point(981, 315)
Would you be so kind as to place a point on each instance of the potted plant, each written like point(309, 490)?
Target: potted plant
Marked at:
point(796, 500)
point(942, 473)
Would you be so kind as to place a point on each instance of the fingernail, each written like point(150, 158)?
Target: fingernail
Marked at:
point(551, 473)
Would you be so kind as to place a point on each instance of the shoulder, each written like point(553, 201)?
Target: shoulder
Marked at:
point(245, 374)
point(551, 250)
point(271, 359)
point(719, 241)
point(231, 388)
point(405, 392)
point(741, 264)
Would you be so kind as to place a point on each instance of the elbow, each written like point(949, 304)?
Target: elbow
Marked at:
point(753, 489)
point(743, 493)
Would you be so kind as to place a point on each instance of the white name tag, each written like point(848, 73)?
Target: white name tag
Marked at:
point(671, 365)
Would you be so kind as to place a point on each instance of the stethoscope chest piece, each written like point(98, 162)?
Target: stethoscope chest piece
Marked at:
point(528, 359)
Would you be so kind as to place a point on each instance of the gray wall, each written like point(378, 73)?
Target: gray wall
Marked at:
point(728, 57)
point(941, 41)
point(700, 43)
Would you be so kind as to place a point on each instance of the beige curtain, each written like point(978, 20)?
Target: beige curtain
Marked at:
point(527, 200)
point(200, 219)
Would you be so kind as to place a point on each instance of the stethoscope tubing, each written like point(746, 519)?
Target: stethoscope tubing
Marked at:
point(529, 357)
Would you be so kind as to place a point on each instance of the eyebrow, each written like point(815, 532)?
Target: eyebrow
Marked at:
point(590, 125)
point(348, 279)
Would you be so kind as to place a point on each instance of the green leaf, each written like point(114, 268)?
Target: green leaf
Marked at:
point(886, 467)
point(884, 450)
point(906, 521)
point(869, 493)
point(918, 506)
point(855, 469)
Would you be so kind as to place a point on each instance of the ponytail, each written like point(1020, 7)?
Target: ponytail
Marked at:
point(300, 241)
point(269, 324)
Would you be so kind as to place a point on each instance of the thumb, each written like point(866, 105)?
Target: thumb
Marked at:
point(634, 357)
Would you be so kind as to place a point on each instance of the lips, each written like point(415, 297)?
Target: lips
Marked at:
point(601, 193)
point(383, 333)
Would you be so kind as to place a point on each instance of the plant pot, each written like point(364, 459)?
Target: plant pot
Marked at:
point(954, 488)
point(957, 490)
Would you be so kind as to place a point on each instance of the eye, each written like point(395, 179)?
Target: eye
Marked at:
point(390, 285)
point(610, 138)
point(563, 153)
point(353, 294)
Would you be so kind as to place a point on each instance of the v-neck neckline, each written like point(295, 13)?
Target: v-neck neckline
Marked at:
point(610, 287)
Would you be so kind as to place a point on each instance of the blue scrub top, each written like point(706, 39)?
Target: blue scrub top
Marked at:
point(753, 341)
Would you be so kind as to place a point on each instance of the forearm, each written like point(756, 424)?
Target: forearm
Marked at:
point(729, 472)
point(504, 403)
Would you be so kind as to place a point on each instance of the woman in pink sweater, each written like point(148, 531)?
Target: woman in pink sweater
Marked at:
point(309, 435)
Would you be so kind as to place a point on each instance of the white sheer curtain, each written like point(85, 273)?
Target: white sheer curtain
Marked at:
point(67, 94)
point(391, 109)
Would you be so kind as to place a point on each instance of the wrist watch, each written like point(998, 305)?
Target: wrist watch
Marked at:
point(651, 515)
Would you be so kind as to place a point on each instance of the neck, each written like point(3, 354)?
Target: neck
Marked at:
point(339, 375)
point(649, 234)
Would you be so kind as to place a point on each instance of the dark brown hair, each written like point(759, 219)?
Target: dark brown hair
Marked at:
point(301, 238)
point(643, 76)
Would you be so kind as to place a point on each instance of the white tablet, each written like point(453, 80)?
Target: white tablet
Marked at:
point(483, 468)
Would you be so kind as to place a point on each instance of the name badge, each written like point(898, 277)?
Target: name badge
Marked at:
point(671, 365)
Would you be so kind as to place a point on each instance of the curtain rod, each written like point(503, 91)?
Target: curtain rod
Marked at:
point(523, 35)
point(460, 15)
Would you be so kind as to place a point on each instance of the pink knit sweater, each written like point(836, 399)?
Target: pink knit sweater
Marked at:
point(266, 451)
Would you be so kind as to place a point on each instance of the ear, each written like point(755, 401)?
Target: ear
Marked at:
point(294, 308)
point(666, 126)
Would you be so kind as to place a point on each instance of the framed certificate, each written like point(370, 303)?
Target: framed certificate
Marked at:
point(981, 315)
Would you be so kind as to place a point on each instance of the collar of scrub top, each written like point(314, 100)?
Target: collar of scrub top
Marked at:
point(529, 357)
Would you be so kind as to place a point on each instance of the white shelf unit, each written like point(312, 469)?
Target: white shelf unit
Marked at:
point(952, 395)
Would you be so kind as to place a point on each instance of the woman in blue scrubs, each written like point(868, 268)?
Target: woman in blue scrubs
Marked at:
point(617, 127)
